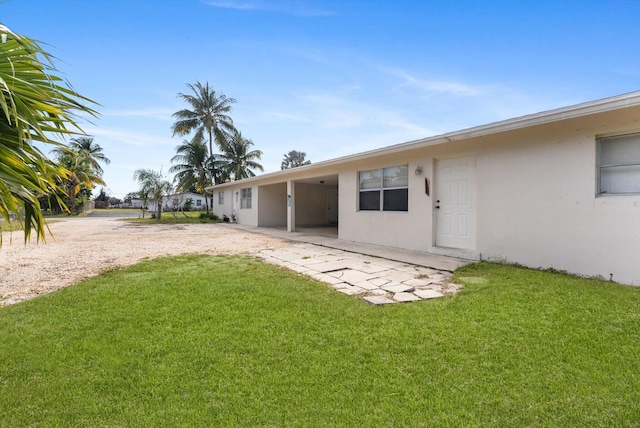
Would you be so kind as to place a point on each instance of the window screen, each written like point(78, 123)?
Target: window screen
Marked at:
point(619, 164)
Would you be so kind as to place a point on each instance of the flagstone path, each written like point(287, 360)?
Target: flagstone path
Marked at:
point(374, 280)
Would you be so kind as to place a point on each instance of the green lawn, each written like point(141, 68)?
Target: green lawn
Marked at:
point(188, 217)
point(229, 341)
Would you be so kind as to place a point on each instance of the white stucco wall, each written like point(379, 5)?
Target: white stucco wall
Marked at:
point(272, 205)
point(311, 205)
point(225, 208)
point(535, 192)
point(537, 202)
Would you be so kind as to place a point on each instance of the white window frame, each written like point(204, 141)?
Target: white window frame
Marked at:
point(607, 168)
point(198, 202)
point(220, 198)
point(245, 198)
point(381, 188)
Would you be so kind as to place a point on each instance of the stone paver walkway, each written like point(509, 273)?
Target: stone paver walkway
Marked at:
point(374, 280)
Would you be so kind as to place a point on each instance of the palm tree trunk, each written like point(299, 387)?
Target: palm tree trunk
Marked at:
point(159, 208)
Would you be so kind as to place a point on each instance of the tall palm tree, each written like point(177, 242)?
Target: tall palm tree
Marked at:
point(239, 158)
point(92, 151)
point(192, 166)
point(209, 115)
point(82, 173)
point(153, 187)
point(35, 105)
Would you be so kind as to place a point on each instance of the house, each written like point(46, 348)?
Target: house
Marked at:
point(134, 203)
point(187, 201)
point(557, 189)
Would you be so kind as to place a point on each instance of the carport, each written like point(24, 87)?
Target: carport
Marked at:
point(305, 203)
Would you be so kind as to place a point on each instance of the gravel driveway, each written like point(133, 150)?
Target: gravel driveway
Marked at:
point(84, 247)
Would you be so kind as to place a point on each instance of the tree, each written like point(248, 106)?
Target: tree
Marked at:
point(82, 176)
point(153, 187)
point(239, 158)
point(192, 169)
point(294, 159)
point(35, 106)
point(209, 115)
point(92, 151)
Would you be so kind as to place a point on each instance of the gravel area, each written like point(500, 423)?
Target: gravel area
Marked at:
point(84, 247)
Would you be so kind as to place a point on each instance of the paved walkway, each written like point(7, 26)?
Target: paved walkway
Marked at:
point(376, 274)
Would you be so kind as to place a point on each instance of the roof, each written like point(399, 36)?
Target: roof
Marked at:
point(631, 99)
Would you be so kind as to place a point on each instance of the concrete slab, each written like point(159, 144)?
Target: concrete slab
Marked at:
point(378, 300)
point(415, 282)
point(427, 294)
point(352, 276)
point(401, 288)
point(405, 297)
point(351, 291)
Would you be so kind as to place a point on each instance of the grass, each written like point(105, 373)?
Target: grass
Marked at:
point(188, 217)
point(9, 226)
point(229, 341)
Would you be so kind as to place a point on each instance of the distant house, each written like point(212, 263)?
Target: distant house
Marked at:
point(558, 189)
point(134, 203)
point(187, 201)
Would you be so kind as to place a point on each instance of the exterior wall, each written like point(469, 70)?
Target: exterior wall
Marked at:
point(538, 204)
point(272, 205)
point(402, 229)
point(537, 201)
point(248, 216)
point(311, 205)
point(225, 208)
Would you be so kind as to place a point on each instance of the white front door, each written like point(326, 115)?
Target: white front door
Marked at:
point(455, 203)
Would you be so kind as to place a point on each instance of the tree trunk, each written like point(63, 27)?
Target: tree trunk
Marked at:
point(159, 208)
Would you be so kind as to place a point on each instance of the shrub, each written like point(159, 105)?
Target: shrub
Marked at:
point(208, 216)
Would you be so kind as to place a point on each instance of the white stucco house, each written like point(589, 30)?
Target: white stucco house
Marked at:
point(178, 201)
point(557, 189)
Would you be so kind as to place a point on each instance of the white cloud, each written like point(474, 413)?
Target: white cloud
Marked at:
point(436, 86)
point(297, 8)
point(128, 137)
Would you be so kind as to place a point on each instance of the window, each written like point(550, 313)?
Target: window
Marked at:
point(619, 164)
point(385, 189)
point(198, 202)
point(220, 198)
point(245, 198)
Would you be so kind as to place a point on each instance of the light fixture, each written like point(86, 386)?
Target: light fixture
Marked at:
point(418, 170)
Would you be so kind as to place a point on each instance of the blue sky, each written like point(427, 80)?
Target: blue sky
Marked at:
point(329, 78)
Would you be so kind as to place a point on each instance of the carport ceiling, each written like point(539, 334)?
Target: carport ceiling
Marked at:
point(328, 180)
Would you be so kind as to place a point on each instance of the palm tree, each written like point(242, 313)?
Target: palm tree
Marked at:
point(239, 158)
point(82, 173)
point(209, 115)
point(152, 187)
point(192, 168)
point(92, 151)
point(35, 105)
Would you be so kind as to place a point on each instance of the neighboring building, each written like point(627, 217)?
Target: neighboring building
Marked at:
point(558, 189)
point(180, 201)
point(134, 203)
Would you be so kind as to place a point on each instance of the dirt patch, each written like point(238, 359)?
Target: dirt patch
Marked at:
point(84, 247)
